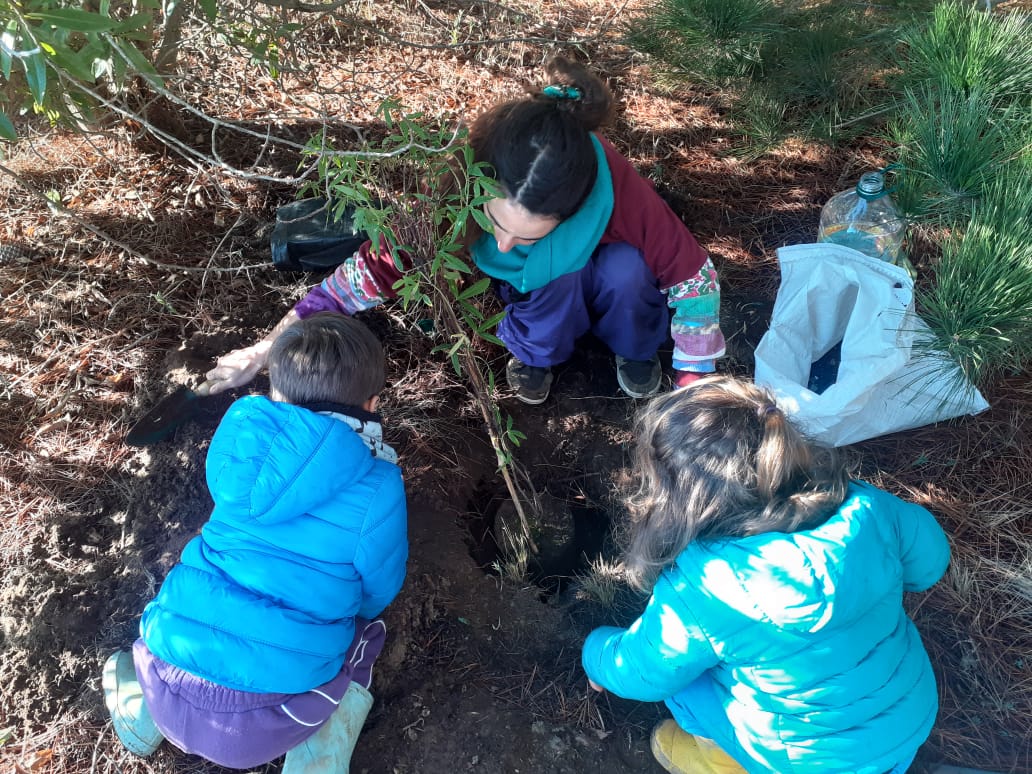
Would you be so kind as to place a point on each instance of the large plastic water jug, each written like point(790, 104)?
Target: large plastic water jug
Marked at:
point(866, 219)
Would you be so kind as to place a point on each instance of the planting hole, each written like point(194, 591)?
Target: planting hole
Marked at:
point(569, 535)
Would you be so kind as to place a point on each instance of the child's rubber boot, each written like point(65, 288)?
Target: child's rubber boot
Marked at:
point(328, 750)
point(681, 753)
point(123, 697)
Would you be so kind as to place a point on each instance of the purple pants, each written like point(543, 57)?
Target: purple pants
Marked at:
point(615, 296)
point(239, 729)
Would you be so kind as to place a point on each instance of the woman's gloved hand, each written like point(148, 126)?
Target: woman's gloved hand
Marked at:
point(240, 366)
point(235, 368)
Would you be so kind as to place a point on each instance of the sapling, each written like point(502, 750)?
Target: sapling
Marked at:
point(418, 192)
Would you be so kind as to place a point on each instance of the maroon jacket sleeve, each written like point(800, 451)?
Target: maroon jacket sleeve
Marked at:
point(642, 219)
point(380, 266)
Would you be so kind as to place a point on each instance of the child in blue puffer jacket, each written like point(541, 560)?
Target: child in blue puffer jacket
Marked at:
point(775, 632)
point(262, 637)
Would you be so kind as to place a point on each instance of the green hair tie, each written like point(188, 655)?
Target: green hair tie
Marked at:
point(562, 92)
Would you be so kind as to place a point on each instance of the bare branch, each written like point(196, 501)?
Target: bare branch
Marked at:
point(60, 209)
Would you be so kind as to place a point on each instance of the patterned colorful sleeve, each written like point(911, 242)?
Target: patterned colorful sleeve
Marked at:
point(351, 288)
point(695, 326)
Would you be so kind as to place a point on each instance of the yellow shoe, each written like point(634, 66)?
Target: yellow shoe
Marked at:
point(682, 753)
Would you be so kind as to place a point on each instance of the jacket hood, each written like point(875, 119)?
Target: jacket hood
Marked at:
point(268, 460)
point(805, 580)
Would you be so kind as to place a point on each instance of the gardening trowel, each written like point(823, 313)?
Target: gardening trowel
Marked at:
point(169, 413)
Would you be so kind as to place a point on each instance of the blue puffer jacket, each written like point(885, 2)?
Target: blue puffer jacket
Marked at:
point(308, 531)
point(792, 651)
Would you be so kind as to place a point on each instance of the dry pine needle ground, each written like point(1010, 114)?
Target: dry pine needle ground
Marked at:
point(93, 307)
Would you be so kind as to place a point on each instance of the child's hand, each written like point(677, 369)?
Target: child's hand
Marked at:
point(235, 368)
point(595, 686)
point(684, 378)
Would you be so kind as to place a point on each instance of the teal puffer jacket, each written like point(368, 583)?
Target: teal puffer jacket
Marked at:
point(792, 651)
point(308, 531)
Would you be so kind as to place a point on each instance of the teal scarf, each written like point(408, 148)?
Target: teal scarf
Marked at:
point(567, 248)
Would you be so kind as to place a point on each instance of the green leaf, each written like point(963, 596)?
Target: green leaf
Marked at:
point(482, 220)
point(493, 320)
point(210, 8)
point(74, 19)
point(74, 63)
point(460, 340)
point(137, 21)
point(349, 193)
point(453, 262)
point(470, 313)
point(458, 226)
point(490, 337)
point(140, 63)
point(36, 75)
point(7, 130)
point(475, 289)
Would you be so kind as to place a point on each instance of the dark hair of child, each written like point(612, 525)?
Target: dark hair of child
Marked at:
point(327, 357)
point(716, 460)
point(540, 147)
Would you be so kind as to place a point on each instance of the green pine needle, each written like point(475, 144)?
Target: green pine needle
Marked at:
point(970, 50)
point(952, 145)
point(980, 305)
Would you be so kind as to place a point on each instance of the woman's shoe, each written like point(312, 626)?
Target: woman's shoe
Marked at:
point(531, 383)
point(639, 378)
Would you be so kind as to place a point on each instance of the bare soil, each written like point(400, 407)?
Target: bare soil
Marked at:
point(481, 671)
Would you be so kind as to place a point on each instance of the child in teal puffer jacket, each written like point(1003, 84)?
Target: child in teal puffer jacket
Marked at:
point(261, 640)
point(775, 632)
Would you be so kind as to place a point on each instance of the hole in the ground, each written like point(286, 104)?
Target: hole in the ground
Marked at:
point(570, 533)
point(487, 498)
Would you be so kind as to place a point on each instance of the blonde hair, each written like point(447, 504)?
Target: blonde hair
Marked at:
point(327, 357)
point(719, 459)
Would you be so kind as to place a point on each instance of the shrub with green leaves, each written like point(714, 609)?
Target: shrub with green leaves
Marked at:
point(43, 46)
point(419, 192)
point(67, 60)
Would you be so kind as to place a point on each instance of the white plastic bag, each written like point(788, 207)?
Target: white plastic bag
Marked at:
point(831, 294)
